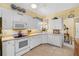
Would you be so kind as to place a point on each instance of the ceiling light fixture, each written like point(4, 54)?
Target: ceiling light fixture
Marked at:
point(34, 6)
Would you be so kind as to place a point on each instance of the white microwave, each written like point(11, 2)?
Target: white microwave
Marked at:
point(19, 26)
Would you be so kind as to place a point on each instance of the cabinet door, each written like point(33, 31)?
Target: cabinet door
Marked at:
point(8, 48)
point(50, 39)
point(17, 19)
point(55, 24)
point(35, 41)
point(58, 40)
point(32, 42)
point(44, 38)
point(39, 39)
point(26, 21)
point(7, 17)
point(29, 21)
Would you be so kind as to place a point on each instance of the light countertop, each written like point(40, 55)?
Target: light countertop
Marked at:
point(12, 38)
point(7, 38)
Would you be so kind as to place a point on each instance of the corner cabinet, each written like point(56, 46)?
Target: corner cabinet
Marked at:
point(44, 38)
point(8, 48)
point(35, 41)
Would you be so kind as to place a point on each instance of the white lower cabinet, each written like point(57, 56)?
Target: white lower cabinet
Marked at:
point(44, 38)
point(38, 39)
point(56, 40)
point(34, 41)
point(8, 48)
point(23, 45)
point(50, 39)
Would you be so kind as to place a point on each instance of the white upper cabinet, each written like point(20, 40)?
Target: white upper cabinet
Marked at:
point(55, 24)
point(7, 17)
point(10, 18)
point(24, 19)
point(31, 23)
point(17, 18)
point(28, 21)
point(18, 22)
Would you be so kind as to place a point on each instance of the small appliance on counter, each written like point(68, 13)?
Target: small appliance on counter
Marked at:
point(29, 31)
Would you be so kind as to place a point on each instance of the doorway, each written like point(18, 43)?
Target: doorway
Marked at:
point(0, 36)
point(69, 31)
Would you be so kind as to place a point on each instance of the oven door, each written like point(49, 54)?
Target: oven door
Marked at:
point(21, 44)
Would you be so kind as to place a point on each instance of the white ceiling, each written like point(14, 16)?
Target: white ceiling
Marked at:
point(48, 8)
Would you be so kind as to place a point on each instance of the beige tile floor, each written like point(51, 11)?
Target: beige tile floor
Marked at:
point(49, 50)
